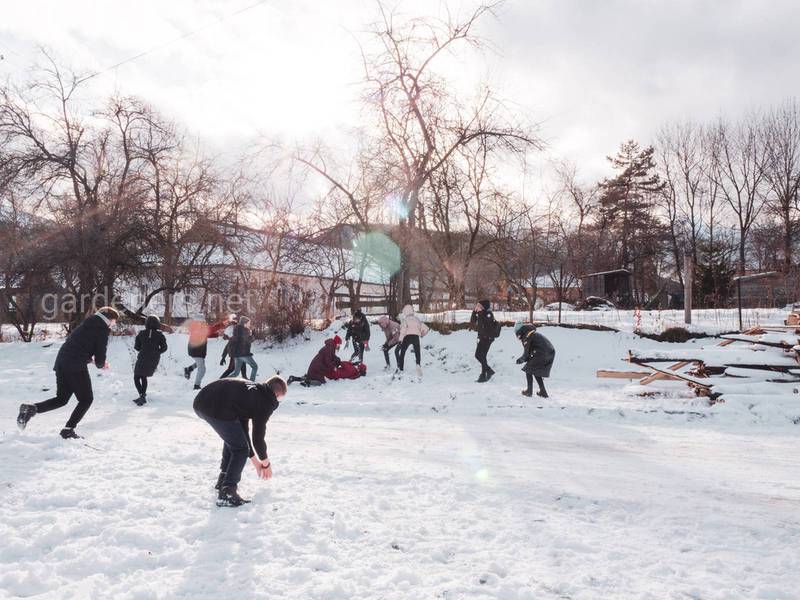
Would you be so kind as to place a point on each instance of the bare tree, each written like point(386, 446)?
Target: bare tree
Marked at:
point(739, 160)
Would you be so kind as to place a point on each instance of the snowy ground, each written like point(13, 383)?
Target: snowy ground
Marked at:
point(440, 489)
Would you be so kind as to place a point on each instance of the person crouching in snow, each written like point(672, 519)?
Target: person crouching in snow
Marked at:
point(483, 321)
point(391, 329)
point(538, 355)
point(322, 366)
point(86, 344)
point(150, 344)
point(411, 330)
point(358, 330)
point(229, 405)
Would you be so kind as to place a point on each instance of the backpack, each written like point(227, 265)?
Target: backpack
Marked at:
point(497, 328)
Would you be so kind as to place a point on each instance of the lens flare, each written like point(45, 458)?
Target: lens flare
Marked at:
point(378, 253)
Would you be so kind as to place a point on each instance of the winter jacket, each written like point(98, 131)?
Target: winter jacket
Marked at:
point(241, 341)
point(348, 370)
point(484, 322)
point(358, 329)
point(410, 324)
point(391, 329)
point(198, 339)
point(150, 344)
point(324, 362)
point(243, 401)
point(90, 339)
point(538, 353)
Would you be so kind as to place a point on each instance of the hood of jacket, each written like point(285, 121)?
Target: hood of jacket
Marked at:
point(152, 322)
point(331, 343)
point(383, 322)
point(408, 310)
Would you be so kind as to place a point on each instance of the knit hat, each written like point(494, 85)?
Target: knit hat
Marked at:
point(152, 322)
point(337, 341)
point(518, 326)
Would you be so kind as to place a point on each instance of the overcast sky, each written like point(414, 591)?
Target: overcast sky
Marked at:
point(593, 73)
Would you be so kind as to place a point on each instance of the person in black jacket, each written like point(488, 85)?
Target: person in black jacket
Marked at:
point(228, 405)
point(358, 331)
point(240, 348)
point(89, 342)
point(150, 344)
point(538, 356)
point(483, 321)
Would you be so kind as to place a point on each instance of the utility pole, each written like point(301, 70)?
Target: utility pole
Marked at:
point(688, 278)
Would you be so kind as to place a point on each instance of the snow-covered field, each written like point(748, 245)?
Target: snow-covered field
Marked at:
point(443, 488)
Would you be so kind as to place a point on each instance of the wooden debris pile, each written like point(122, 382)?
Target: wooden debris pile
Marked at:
point(742, 362)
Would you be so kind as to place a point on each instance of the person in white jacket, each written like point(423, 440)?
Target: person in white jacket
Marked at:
point(411, 330)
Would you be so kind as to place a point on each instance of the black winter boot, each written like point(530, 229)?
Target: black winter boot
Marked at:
point(197, 387)
point(527, 393)
point(187, 372)
point(68, 433)
point(141, 400)
point(220, 480)
point(228, 496)
point(26, 412)
point(489, 373)
point(482, 378)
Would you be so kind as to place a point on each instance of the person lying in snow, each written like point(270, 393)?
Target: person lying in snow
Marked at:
point(326, 365)
point(229, 405)
point(150, 344)
point(538, 355)
point(358, 331)
point(86, 344)
point(391, 329)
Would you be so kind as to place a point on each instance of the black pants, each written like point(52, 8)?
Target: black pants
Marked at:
point(539, 381)
point(67, 384)
point(235, 449)
point(358, 351)
point(386, 349)
point(232, 367)
point(141, 384)
point(409, 340)
point(481, 352)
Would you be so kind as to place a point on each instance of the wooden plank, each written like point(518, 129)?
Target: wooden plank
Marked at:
point(611, 374)
point(660, 375)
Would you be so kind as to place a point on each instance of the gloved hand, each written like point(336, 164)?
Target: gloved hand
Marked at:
point(221, 362)
point(384, 348)
point(520, 360)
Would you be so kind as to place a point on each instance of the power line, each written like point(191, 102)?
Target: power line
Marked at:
point(172, 41)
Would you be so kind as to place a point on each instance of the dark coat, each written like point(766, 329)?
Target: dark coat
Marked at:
point(243, 401)
point(358, 329)
point(538, 354)
point(484, 323)
point(324, 362)
point(241, 342)
point(89, 340)
point(150, 344)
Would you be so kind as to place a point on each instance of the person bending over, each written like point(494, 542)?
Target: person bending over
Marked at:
point(231, 407)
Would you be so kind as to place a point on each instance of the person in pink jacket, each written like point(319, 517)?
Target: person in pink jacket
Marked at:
point(391, 329)
point(411, 330)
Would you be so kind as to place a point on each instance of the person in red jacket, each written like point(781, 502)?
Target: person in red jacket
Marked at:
point(323, 365)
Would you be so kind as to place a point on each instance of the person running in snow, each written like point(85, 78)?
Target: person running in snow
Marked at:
point(150, 344)
point(411, 330)
point(483, 321)
point(538, 355)
point(198, 349)
point(391, 329)
point(241, 342)
point(88, 343)
point(358, 330)
point(322, 366)
point(229, 405)
point(227, 335)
